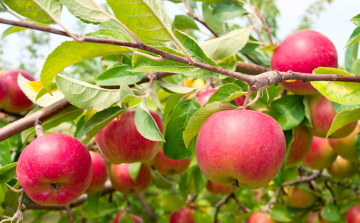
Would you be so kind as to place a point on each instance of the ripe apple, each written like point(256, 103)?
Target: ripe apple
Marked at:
point(204, 96)
point(167, 166)
point(301, 145)
point(346, 147)
point(353, 214)
point(322, 115)
point(258, 217)
point(3, 92)
point(217, 188)
point(315, 217)
point(122, 181)
point(297, 197)
point(135, 218)
point(54, 169)
point(321, 155)
point(100, 173)
point(240, 147)
point(303, 51)
point(343, 168)
point(184, 215)
point(17, 101)
point(120, 141)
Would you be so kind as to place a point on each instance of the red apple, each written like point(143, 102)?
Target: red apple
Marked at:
point(301, 145)
point(17, 101)
point(3, 92)
point(315, 217)
point(258, 217)
point(100, 173)
point(184, 215)
point(346, 147)
point(353, 214)
point(122, 181)
point(204, 96)
point(54, 169)
point(321, 155)
point(297, 197)
point(135, 218)
point(343, 168)
point(303, 51)
point(167, 166)
point(217, 188)
point(322, 115)
point(120, 141)
point(240, 147)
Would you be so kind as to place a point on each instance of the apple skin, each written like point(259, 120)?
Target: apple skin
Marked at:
point(298, 198)
point(135, 218)
point(120, 141)
point(17, 101)
point(3, 92)
point(303, 51)
point(252, 155)
point(122, 182)
point(100, 173)
point(218, 189)
point(315, 217)
point(353, 214)
point(184, 215)
point(321, 155)
point(346, 147)
point(204, 96)
point(322, 115)
point(301, 145)
point(343, 168)
point(258, 217)
point(54, 159)
point(167, 166)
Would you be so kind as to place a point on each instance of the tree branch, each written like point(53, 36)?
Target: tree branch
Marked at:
point(224, 201)
point(147, 208)
point(204, 24)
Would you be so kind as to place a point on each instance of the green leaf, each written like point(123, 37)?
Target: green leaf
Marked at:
point(145, 123)
point(126, 95)
point(351, 56)
point(226, 93)
point(67, 115)
point(288, 111)
point(5, 146)
point(7, 173)
point(343, 118)
point(93, 200)
point(64, 56)
point(97, 122)
point(209, 19)
point(307, 120)
point(2, 7)
point(174, 147)
point(85, 9)
point(199, 179)
point(339, 107)
point(227, 44)
point(153, 96)
point(126, 218)
point(119, 75)
point(354, 38)
point(201, 217)
point(169, 202)
point(228, 63)
point(185, 182)
point(357, 144)
point(118, 34)
point(42, 91)
point(185, 23)
point(12, 29)
point(331, 213)
point(356, 20)
point(175, 88)
point(279, 214)
point(146, 18)
point(346, 93)
point(84, 95)
point(134, 169)
point(355, 69)
point(160, 181)
point(3, 190)
point(224, 11)
point(249, 47)
point(30, 10)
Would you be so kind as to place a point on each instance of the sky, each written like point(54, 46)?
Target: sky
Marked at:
point(333, 22)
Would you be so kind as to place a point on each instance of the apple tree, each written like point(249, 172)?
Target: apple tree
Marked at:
point(149, 119)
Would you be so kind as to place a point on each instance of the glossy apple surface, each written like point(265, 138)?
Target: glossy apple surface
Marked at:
point(258, 217)
point(353, 214)
point(100, 173)
point(217, 188)
point(3, 92)
point(184, 215)
point(342, 168)
point(321, 155)
point(167, 166)
point(301, 145)
point(298, 197)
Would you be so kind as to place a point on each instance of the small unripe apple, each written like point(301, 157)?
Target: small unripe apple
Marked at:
point(303, 51)
point(100, 173)
point(3, 92)
point(135, 218)
point(346, 146)
point(301, 145)
point(343, 168)
point(353, 214)
point(204, 96)
point(184, 215)
point(217, 188)
point(122, 181)
point(54, 169)
point(258, 217)
point(322, 116)
point(120, 141)
point(315, 217)
point(297, 197)
point(321, 155)
point(194, 83)
point(16, 101)
point(167, 166)
point(240, 147)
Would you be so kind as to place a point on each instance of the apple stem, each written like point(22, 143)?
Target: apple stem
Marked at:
point(39, 129)
point(69, 213)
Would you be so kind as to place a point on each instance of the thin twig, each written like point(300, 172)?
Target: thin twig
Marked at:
point(221, 203)
point(147, 208)
point(70, 214)
point(204, 24)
